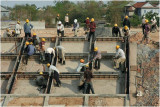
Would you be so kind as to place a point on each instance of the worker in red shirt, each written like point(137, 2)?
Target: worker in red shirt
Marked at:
point(92, 27)
point(87, 25)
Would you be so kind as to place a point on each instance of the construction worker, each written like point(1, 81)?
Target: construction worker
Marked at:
point(60, 29)
point(50, 53)
point(143, 23)
point(42, 49)
point(30, 51)
point(53, 71)
point(92, 27)
point(75, 27)
point(57, 19)
point(26, 48)
point(97, 58)
point(119, 57)
point(27, 29)
point(61, 54)
point(126, 22)
point(146, 32)
point(87, 22)
point(88, 83)
point(18, 29)
point(154, 24)
point(81, 66)
point(66, 20)
point(126, 33)
point(40, 81)
point(35, 39)
point(116, 31)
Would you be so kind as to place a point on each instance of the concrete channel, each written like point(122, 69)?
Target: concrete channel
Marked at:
point(110, 80)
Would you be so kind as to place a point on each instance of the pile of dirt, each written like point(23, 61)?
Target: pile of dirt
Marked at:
point(67, 101)
point(148, 62)
point(136, 37)
point(37, 101)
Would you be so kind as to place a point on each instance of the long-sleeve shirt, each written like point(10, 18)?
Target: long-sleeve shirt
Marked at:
point(147, 28)
point(116, 30)
point(88, 75)
point(97, 55)
point(80, 66)
point(52, 69)
point(143, 21)
point(75, 25)
point(126, 22)
point(50, 51)
point(40, 80)
point(66, 19)
point(120, 53)
point(126, 32)
point(92, 27)
point(18, 28)
point(30, 50)
point(60, 28)
point(154, 21)
point(28, 27)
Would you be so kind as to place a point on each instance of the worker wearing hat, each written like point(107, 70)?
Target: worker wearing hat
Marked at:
point(146, 32)
point(97, 57)
point(35, 39)
point(75, 27)
point(126, 31)
point(42, 49)
point(87, 22)
point(154, 24)
point(81, 66)
point(143, 23)
point(66, 20)
point(30, 50)
point(27, 29)
point(57, 19)
point(49, 53)
point(116, 31)
point(40, 81)
point(92, 27)
point(60, 29)
point(53, 71)
point(126, 22)
point(7, 33)
point(61, 54)
point(119, 57)
point(18, 29)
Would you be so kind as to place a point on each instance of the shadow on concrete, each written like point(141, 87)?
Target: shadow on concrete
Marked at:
point(3, 86)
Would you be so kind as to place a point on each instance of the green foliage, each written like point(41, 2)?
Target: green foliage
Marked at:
point(135, 20)
point(150, 15)
point(115, 11)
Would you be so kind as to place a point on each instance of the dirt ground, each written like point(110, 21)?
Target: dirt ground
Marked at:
point(104, 101)
point(37, 101)
point(67, 101)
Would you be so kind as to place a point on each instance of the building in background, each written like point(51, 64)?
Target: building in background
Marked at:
point(141, 8)
point(4, 12)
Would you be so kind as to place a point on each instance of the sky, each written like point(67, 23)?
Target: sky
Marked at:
point(38, 3)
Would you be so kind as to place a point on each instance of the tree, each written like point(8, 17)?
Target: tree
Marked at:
point(149, 16)
point(135, 20)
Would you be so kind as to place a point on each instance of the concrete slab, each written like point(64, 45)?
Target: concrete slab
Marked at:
point(49, 44)
point(9, 47)
point(25, 87)
point(109, 46)
point(75, 46)
point(71, 65)
point(26, 101)
point(133, 54)
point(3, 86)
point(105, 101)
point(106, 66)
point(100, 87)
point(32, 66)
point(66, 101)
point(7, 65)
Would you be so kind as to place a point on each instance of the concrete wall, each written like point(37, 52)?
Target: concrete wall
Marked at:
point(11, 24)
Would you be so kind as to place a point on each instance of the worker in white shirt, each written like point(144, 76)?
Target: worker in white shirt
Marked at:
point(66, 20)
point(18, 29)
point(154, 24)
point(81, 66)
point(120, 57)
point(60, 29)
point(143, 23)
point(61, 54)
point(53, 71)
point(50, 53)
